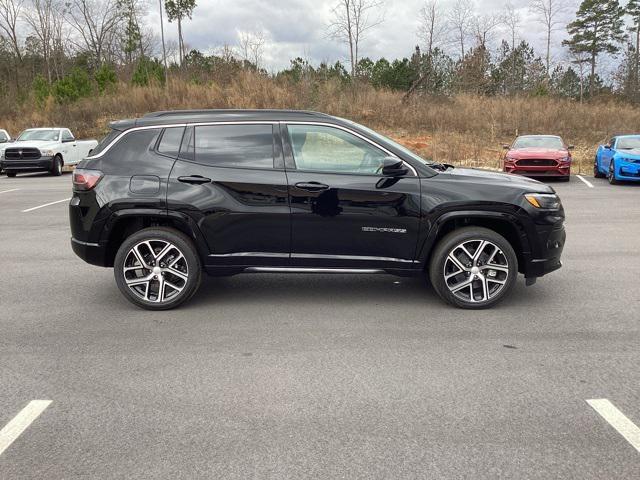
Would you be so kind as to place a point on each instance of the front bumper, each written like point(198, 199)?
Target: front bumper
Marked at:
point(559, 170)
point(30, 165)
point(548, 259)
point(628, 171)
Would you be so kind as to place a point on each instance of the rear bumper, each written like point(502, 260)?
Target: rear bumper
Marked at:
point(92, 253)
point(36, 165)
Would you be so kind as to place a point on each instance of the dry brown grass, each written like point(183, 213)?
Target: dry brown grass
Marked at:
point(464, 130)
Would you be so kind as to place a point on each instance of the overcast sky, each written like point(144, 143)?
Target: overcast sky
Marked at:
point(299, 28)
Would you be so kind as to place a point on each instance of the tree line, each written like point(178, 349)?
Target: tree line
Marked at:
point(68, 49)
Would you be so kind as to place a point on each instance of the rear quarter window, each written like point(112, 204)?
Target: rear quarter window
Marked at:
point(135, 150)
point(105, 142)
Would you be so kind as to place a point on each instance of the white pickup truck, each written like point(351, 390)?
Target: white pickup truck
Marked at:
point(44, 149)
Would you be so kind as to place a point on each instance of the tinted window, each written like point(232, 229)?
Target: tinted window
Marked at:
point(170, 143)
point(105, 142)
point(235, 145)
point(329, 149)
point(134, 146)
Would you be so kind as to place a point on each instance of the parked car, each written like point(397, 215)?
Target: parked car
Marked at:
point(619, 159)
point(167, 196)
point(5, 138)
point(539, 156)
point(44, 149)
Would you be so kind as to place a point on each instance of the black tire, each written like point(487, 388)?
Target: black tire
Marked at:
point(596, 172)
point(56, 166)
point(449, 244)
point(11, 174)
point(191, 268)
point(611, 175)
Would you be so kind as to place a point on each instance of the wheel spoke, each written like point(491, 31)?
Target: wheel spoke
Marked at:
point(479, 251)
point(177, 273)
point(163, 252)
point(460, 286)
point(457, 262)
point(139, 256)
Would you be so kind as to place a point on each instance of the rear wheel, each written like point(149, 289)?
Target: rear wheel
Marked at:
point(56, 166)
point(157, 268)
point(611, 176)
point(473, 268)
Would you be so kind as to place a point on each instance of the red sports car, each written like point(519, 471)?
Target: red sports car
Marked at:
point(539, 156)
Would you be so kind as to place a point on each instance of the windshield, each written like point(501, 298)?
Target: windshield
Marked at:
point(45, 135)
point(397, 145)
point(628, 143)
point(554, 143)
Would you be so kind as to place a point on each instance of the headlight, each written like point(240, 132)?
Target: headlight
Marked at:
point(566, 160)
point(47, 153)
point(544, 201)
point(510, 159)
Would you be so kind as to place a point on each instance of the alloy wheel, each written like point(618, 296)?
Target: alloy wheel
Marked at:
point(476, 271)
point(156, 271)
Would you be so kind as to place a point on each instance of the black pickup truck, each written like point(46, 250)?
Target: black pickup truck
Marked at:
point(172, 194)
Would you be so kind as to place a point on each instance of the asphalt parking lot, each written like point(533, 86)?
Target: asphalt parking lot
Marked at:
point(319, 376)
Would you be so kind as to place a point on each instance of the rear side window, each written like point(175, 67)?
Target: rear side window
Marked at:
point(133, 146)
point(170, 142)
point(244, 146)
point(105, 142)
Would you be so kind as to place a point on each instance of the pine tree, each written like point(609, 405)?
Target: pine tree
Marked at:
point(178, 10)
point(597, 29)
point(633, 10)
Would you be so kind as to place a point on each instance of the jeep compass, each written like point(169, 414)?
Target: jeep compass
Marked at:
point(173, 194)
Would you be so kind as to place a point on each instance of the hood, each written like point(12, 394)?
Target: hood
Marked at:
point(498, 179)
point(42, 144)
point(546, 153)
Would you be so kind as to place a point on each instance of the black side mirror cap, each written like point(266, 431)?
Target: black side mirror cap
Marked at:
point(506, 146)
point(571, 147)
point(393, 167)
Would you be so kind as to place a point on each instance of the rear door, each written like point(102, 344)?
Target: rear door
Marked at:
point(344, 212)
point(230, 180)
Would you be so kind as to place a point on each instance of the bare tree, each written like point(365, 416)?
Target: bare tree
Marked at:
point(548, 13)
point(483, 26)
point(511, 19)
point(43, 19)
point(433, 25)
point(95, 21)
point(460, 16)
point(251, 47)
point(10, 11)
point(352, 19)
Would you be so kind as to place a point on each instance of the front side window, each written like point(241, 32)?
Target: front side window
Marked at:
point(3, 137)
point(240, 146)
point(66, 136)
point(328, 149)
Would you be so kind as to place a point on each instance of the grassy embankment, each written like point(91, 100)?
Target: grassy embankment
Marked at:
point(465, 130)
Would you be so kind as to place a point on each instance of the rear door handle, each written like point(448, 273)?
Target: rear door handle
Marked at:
point(194, 179)
point(312, 186)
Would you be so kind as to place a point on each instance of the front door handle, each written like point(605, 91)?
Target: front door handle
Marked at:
point(194, 179)
point(312, 186)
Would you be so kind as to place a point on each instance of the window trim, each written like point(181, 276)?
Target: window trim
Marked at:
point(156, 148)
point(287, 138)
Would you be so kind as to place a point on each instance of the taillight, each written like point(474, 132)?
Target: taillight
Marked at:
point(85, 180)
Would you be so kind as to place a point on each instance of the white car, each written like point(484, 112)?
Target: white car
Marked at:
point(44, 149)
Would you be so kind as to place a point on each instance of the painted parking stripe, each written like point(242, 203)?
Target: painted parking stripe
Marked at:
point(20, 422)
point(45, 205)
point(585, 181)
point(12, 190)
point(617, 420)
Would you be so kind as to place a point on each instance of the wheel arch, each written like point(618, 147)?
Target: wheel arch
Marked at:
point(121, 226)
point(505, 224)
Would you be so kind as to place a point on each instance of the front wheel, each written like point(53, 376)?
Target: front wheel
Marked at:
point(611, 176)
point(56, 166)
point(473, 268)
point(157, 268)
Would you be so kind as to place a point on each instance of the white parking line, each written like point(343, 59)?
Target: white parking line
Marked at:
point(20, 422)
point(617, 420)
point(45, 205)
point(12, 190)
point(585, 181)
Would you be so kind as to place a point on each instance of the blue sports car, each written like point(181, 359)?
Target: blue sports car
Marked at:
point(619, 159)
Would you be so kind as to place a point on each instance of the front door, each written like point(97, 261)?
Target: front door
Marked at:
point(344, 212)
point(230, 180)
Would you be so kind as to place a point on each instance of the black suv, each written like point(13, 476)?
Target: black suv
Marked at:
point(171, 194)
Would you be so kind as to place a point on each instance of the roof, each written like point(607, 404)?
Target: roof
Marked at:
point(193, 116)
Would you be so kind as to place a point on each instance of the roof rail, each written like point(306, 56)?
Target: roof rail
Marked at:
point(169, 113)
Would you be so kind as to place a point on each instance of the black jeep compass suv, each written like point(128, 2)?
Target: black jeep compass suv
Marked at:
point(171, 194)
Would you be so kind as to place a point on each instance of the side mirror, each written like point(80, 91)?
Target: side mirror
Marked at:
point(607, 146)
point(506, 146)
point(571, 147)
point(393, 167)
